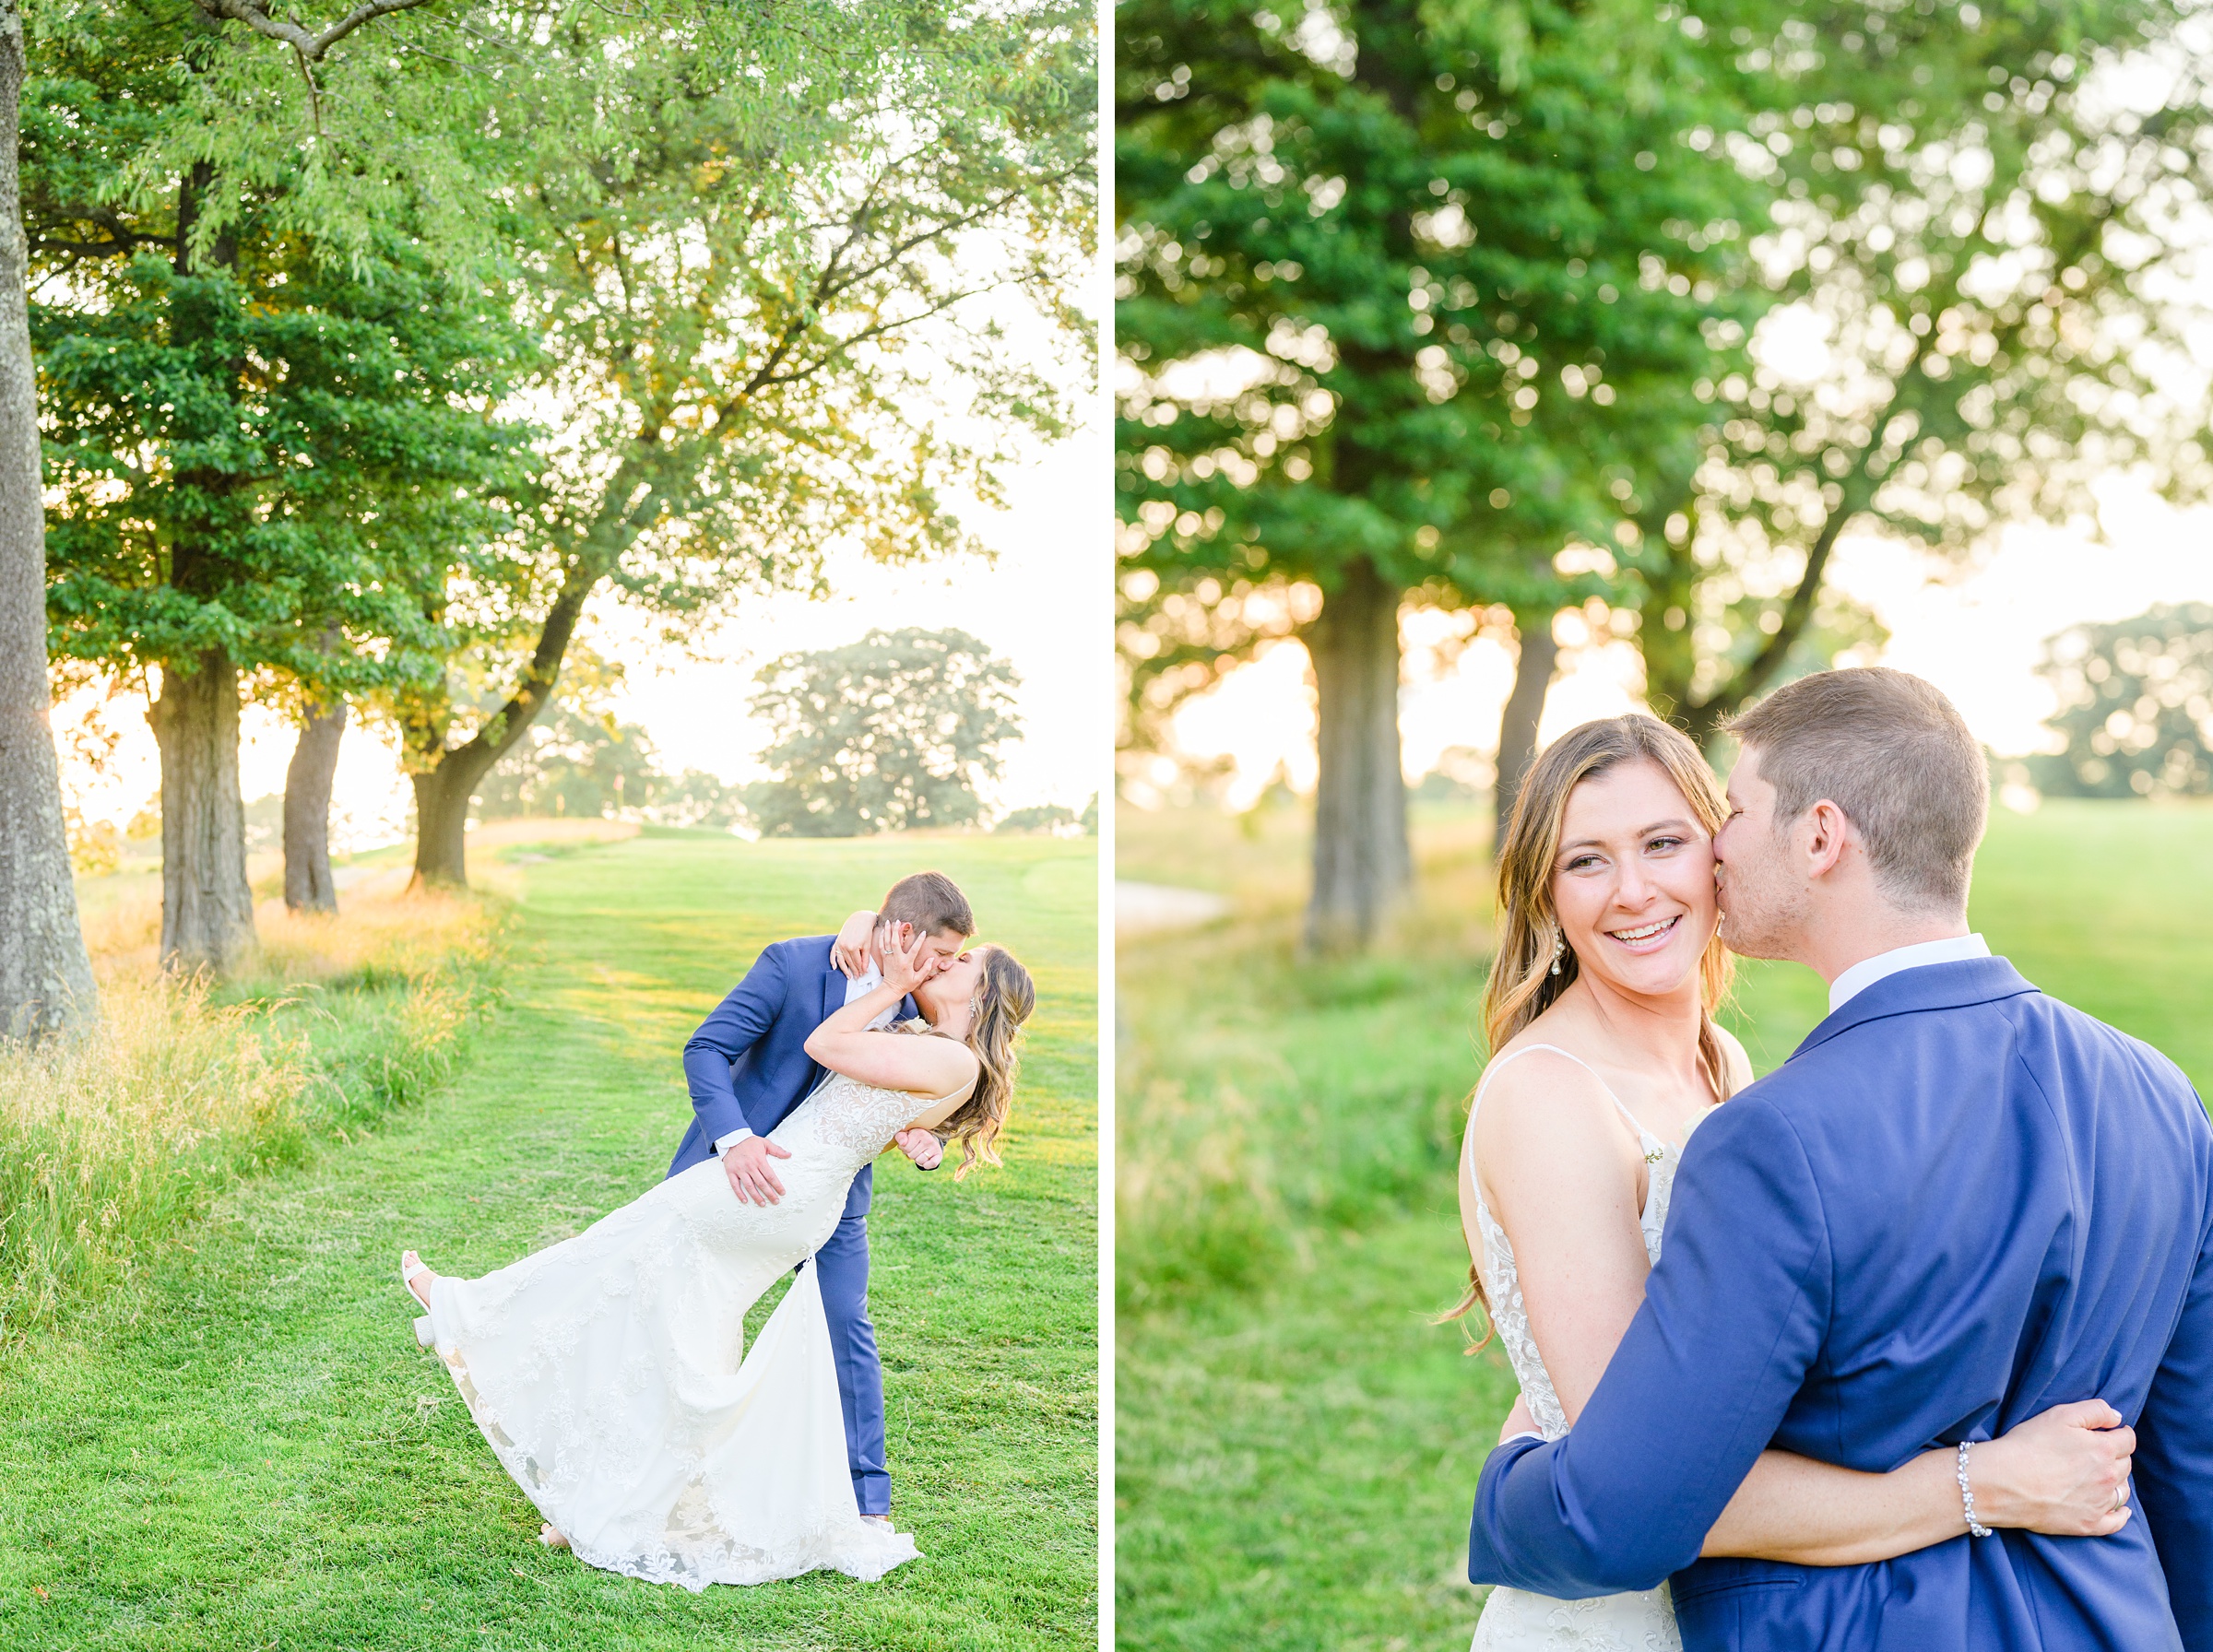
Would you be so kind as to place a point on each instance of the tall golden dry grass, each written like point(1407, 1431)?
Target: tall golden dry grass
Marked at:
point(112, 1142)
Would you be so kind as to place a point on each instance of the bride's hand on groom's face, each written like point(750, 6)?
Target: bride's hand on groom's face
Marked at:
point(2064, 1472)
point(908, 958)
point(849, 952)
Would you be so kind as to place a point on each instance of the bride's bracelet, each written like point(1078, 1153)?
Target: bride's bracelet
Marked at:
point(1967, 1497)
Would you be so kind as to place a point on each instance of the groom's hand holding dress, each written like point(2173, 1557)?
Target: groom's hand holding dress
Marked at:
point(751, 1178)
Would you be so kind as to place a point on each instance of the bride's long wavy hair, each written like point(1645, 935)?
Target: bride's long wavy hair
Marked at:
point(1523, 985)
point(1003, 1000)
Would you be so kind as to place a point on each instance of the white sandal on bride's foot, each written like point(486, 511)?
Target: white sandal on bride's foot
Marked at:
point(412, 1270)
point(549, 1537)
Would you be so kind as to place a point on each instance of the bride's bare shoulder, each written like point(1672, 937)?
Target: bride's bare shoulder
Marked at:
point(1536, 1095)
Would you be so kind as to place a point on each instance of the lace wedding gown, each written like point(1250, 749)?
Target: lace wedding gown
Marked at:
point(607, 1372)
point(1513, 1620)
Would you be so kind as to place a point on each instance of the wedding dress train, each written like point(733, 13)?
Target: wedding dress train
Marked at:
point(1514, 1620)
point(609, 1372)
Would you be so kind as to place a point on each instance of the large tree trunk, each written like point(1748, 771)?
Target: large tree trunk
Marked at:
point(447, 782)
point(207, 906)
point(1362, 864)
point(1540, 658)
point(442, 800)
point(307, 781)
point(45, 975)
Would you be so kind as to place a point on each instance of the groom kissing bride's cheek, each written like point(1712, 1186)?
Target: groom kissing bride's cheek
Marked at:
point(606, 1372)
point(1908, 1345)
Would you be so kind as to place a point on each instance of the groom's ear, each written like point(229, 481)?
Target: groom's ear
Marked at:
point(1829, 835)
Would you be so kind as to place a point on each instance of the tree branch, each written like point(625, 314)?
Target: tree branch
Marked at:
point(254, 15)
point(847, 346)
point(1859, 490)
point(121, 237)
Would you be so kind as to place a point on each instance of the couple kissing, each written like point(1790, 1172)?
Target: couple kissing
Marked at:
point(609, 1373)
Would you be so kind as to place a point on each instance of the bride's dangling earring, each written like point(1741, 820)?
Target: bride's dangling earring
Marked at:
point(1559, 949)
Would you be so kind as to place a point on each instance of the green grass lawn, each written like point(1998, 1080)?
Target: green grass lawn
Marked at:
point(262, 1457)
point(1297, 1446)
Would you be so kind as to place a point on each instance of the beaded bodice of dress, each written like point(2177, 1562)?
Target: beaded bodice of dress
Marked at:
point(1501, 1282)
point(843, 1126)
point(852, 1121)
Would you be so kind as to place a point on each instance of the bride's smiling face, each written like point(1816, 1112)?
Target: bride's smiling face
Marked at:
point(1633, 880)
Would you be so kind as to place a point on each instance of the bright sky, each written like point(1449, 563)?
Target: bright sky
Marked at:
point(1976, 634)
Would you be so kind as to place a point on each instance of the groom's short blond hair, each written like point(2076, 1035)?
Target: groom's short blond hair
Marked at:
point(932, 903)
point(1896, 756)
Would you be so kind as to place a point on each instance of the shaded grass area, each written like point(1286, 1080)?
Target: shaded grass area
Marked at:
point(1295, 1443)
point(263, 1458)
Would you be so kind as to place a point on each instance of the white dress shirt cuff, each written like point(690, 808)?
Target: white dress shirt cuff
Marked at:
point(723, 1144)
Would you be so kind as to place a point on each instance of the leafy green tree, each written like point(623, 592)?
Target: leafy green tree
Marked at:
point(759, 242)
point(2135, 706)
point(895, 731)
point(1977, 240)
point(252, 455)
point(45, 977)
point(1402, 289)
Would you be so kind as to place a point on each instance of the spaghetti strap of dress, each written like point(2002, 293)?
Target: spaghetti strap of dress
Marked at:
point(1645, 1139)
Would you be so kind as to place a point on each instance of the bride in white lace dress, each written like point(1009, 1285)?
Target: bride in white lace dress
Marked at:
point(1607, 1056)
point(609, 1373)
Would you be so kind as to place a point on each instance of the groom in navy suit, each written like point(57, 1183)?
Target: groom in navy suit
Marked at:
point(747, 1067)
point(1959, 1203)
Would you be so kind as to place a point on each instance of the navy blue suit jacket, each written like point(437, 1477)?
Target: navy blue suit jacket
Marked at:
point(748, 1063)
point(1959, 1203)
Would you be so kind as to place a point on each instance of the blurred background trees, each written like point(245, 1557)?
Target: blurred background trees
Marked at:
point(896, 731)
point(1351, 244)
point(1971, 276)
point(1507, 310)
point(2136, 707)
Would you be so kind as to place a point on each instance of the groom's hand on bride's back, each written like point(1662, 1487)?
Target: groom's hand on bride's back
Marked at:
point(752, 1179)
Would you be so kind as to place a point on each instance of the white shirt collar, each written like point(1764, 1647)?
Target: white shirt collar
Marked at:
point(1868, 970)
point(861, 986)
